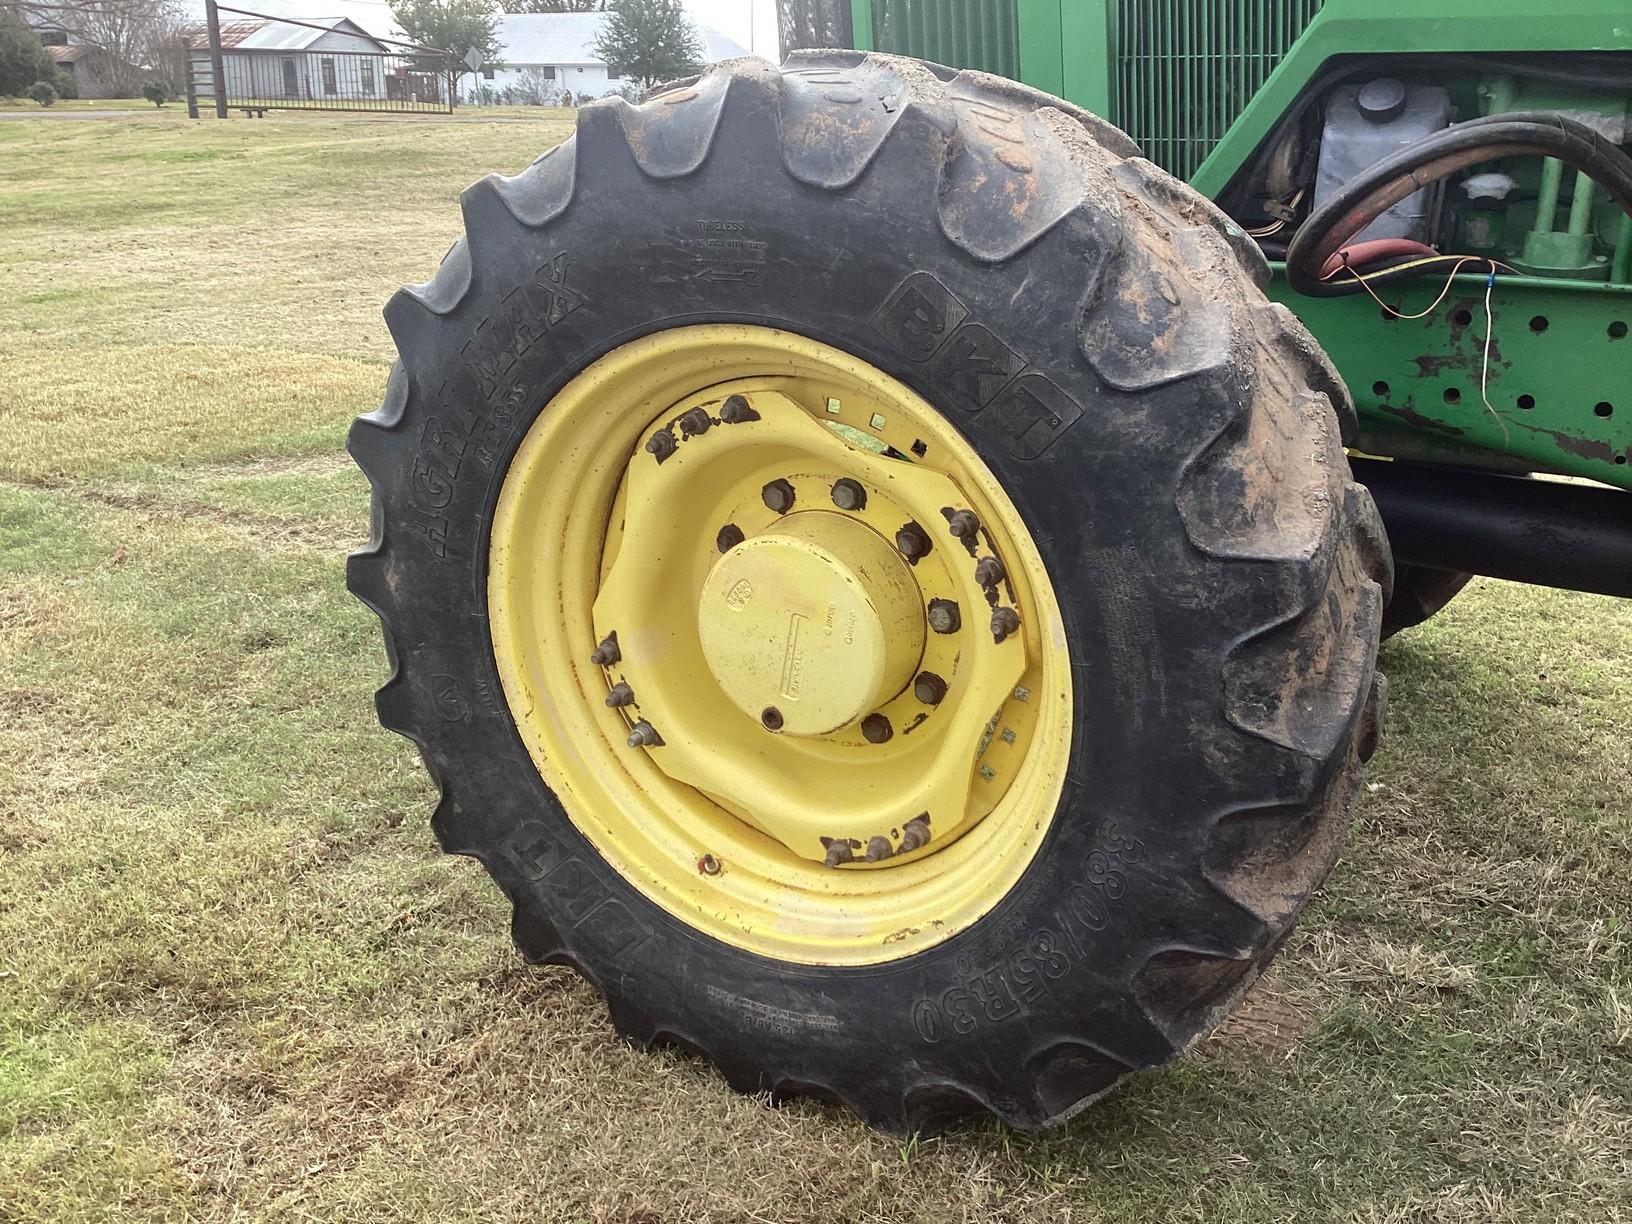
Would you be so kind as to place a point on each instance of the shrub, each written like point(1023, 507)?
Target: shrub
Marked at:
point(22, 58)
point(63, 82)
point(156, 92)
point(42, 92)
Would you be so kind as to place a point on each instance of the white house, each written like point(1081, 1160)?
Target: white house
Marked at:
point(329, 58)
point(544, 56)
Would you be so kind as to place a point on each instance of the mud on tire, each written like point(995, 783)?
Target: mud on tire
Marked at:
point(1173, 442)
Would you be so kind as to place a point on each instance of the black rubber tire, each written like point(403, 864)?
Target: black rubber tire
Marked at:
point(1172, 440)
point(1419, 593)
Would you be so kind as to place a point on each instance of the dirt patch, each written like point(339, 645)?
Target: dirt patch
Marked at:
point(1269, 1022)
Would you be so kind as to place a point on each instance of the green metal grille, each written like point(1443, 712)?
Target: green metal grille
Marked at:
point(959, 33)
point(1187, 68)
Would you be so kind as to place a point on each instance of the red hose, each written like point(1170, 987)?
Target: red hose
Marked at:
point(1359, 254)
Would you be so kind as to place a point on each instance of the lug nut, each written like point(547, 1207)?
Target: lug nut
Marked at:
point(728, 538)
point(915, 834)
point(944, 616)
point(929, 688)
point(621, 695)
point(607, 653)
point(963, 524)
point(878, 848)
point(876, 729)
point(1004, 622)
point(771, 718)
point(735, 411)
point(778, 496)
point(913, 543)
point(708, 865)
point(661, 444)
point(644, 735)
point(840, 851)
point(989, 571)
point(848, 494)
point(693, 423)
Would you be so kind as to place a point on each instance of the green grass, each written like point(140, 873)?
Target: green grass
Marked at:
point(238, 981)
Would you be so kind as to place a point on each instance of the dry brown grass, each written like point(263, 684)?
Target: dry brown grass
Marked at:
point(238, 982)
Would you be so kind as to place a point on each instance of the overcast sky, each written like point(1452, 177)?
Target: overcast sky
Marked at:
point(750, 22)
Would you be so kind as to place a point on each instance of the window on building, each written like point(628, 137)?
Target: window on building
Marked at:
point(487, 74)
point(54, 38)
point(547, 72)
point(330, 86)
point(368, 78)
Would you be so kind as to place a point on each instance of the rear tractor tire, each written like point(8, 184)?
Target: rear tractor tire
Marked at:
point(877, 585)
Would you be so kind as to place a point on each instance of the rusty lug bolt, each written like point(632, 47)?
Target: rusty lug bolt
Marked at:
point(778, 496)
point(607, 653)
point(1004, 622)
point(989, 571)
point(694, 422)
point(839, 852)
point(944, 616)
point(621, 695)
point(912, 542)
point(929, 688)
point(915, 834)
point(661, 444)
point(771, 718)
point(644, 735)
point(963, 524)
point(848, 494)
point(876, 729)
point(728, 538)
point(708, 865)
point(735, 411)
point(878, 848)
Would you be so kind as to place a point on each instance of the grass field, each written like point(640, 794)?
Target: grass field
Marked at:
point(238, 981)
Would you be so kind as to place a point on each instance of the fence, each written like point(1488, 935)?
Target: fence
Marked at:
point(256, 62)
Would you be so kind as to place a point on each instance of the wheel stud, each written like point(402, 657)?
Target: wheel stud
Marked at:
point(607, 653)
point(839, 852)
point(771, 718)
point(913, 543)
point(644, 735)
point(963, 524)
point(621, 695)
point(876, 729)
point(944, 616)
point(728, 538)
point(989, 571)
point(694, 422)
point(878, 848)
point(915, 834)
point(929, 688)
point(661, 444)
point(778, 496)
point(848, 494)
point(708, 865)
point(1004, 622)
point(735, 411)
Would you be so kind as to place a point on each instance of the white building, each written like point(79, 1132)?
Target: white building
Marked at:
point(544, 56)
point(328, 58)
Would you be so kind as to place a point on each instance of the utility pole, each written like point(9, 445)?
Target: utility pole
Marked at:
point(218, 71)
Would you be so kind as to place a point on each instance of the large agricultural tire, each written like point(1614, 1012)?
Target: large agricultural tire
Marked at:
point(1170, 448)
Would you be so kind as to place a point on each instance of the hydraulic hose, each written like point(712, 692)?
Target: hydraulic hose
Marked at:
point(1361, 200)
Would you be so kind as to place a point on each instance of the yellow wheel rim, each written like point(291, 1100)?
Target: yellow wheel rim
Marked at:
point(780, 644)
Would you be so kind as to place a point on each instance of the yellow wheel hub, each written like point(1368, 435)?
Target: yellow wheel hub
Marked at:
point(780, 644)
point(811, 625)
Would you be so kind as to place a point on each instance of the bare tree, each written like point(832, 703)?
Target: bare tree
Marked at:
point(134, 39)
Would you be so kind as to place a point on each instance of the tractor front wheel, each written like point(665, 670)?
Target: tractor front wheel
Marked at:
point(876, 584)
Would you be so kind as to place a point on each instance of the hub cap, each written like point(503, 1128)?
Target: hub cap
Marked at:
point(828, 709)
